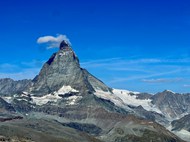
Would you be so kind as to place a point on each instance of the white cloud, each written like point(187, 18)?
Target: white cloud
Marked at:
point(52, 41)
point(162, 80)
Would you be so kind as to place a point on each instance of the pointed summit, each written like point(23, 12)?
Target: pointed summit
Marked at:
point(63, 69)
point(64, 44)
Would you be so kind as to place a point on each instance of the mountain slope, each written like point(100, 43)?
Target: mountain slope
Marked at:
point(181, 127)
point(4, 106)
point(182, 123)
point(36, 130)
point(172, 105)
point(10, 87)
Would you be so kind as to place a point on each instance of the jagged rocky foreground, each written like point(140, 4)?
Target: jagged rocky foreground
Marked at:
point(66, 103)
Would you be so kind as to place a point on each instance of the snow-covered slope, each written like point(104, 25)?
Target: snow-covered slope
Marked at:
point(123, 98)
point(54, 97)
point(184, 134)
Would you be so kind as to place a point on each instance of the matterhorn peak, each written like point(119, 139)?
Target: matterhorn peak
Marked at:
point(67, 52)
point(63, 69)
point(64, 44)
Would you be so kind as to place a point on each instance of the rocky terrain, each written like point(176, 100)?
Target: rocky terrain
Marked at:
point(66, 103)
point(172, 104)
point(9, 86)
point(182, 123)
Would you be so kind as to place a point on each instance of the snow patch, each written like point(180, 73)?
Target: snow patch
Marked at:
point(45, 99)
point(133, 101)
point(7, 99)
point(109, 96)
point(183, 134)
point(73, 99)
point(54, 97)
point(170, 91)
point(66, 89)
point(22, 99)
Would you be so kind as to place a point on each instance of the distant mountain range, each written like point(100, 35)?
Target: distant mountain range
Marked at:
point(67, 103)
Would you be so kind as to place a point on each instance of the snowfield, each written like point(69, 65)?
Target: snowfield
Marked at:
point(45, 99)
point(122, 98)
point(54, 97)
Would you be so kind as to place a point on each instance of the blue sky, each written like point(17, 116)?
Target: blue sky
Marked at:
point(140, 45)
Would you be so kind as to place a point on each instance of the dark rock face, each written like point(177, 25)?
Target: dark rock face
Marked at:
point(10, 119)
point(183, 123)
point(150, 115)
point(95, 82)
point(64, 44)
point(7, 112)
point(143, 96)
point(10, 87)
point(88, 128)
point(5, 107)
point(51, 59)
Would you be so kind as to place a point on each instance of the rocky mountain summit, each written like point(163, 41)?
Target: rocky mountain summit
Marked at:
point(63, 69)
point(64, 102)
point(172, 104)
